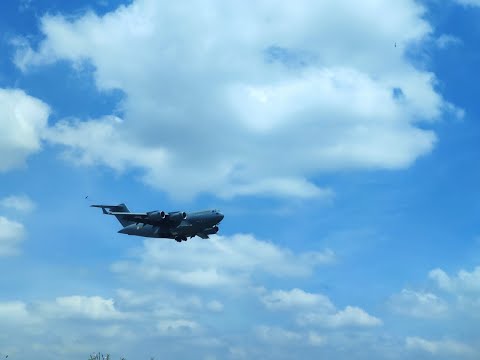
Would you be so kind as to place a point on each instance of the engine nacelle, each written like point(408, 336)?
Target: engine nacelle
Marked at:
point(157, 215)
point(177, 217)
point(211, 231)
point(173, 217)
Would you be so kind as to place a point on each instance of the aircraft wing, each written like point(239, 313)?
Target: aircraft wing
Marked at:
point(136, 217)
point(126, 214)
point(203, 236)
point(151, 217)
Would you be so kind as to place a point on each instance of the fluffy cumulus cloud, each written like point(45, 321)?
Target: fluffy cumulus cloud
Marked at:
point(442, 348)
point(277, 335)
point(464, 282)
point(11, 235)
point(14, 312)
point(76, 307)
point(22, 121)
point(219, 261)
point(351, 316)
point(464, 287)
point(61, 326)
point(223, 91)
point(20, 203)
point(454, 313)
point(295, 298)
point(94, 307)
point(418, 304)
point(317, 310)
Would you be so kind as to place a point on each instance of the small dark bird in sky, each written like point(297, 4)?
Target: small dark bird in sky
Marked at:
point(86, 197)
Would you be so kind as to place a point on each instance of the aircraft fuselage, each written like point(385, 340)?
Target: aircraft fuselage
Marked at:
point(197, 222)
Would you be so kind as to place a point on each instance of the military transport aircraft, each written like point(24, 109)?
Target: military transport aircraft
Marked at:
point(160, 224)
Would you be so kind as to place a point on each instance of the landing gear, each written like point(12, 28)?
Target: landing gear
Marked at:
point(180, 239)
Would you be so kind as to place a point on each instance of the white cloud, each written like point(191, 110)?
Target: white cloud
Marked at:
point(317, 309)
point(18, 202)
point(351, 316)
point(280, 337)
point(463, 283)
point(22, 120)
point(296, 299)
point(418, 304)
point(14, 312)
point(316, 339)
point(464, 286)
point(101, 137)
point(445, 40)
point(441, 347)
point(131, 298)
point(11, 235)
point(177, 327)
point(90, 307)
point(215, 306)
point(220, 261)
point(277, 335)
point(250, 97)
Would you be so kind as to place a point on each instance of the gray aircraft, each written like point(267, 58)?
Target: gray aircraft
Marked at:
point(176, 225)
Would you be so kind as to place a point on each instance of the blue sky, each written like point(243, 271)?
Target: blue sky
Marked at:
point(345, 167)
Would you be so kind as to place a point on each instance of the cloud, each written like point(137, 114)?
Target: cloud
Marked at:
point(177, 327)
point(252, 99)
point(18, 202)
point(317, 309)
point(91, 307)
point(463, 283)
point(11, 235)
point(445, 40)
point(441, 347)
point(66, 307)
point(22, 120)
point(295, 299)
point(277, 335)
point(220, 261)
point(316, 339)
point(14, 312)
point(351, 316)
point(215, 306)
point(280, 337)
point(100, 137)
point(464, 286)
point(418, 304)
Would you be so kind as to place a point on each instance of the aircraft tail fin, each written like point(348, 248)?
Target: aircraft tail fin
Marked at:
point(116, 208)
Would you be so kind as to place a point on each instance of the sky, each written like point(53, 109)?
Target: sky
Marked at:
point(340, 141)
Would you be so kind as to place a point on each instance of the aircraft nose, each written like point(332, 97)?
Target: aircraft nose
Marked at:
point(220, 216)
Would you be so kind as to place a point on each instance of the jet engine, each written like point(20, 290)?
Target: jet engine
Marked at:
point(177, 217)
point(211, 231)
point(157, 215)
point(173, 217)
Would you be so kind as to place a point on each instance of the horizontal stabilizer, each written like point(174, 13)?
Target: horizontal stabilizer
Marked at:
point(120, 211)
point(119, 207)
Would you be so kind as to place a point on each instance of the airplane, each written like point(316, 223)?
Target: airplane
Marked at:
point(160, 224)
